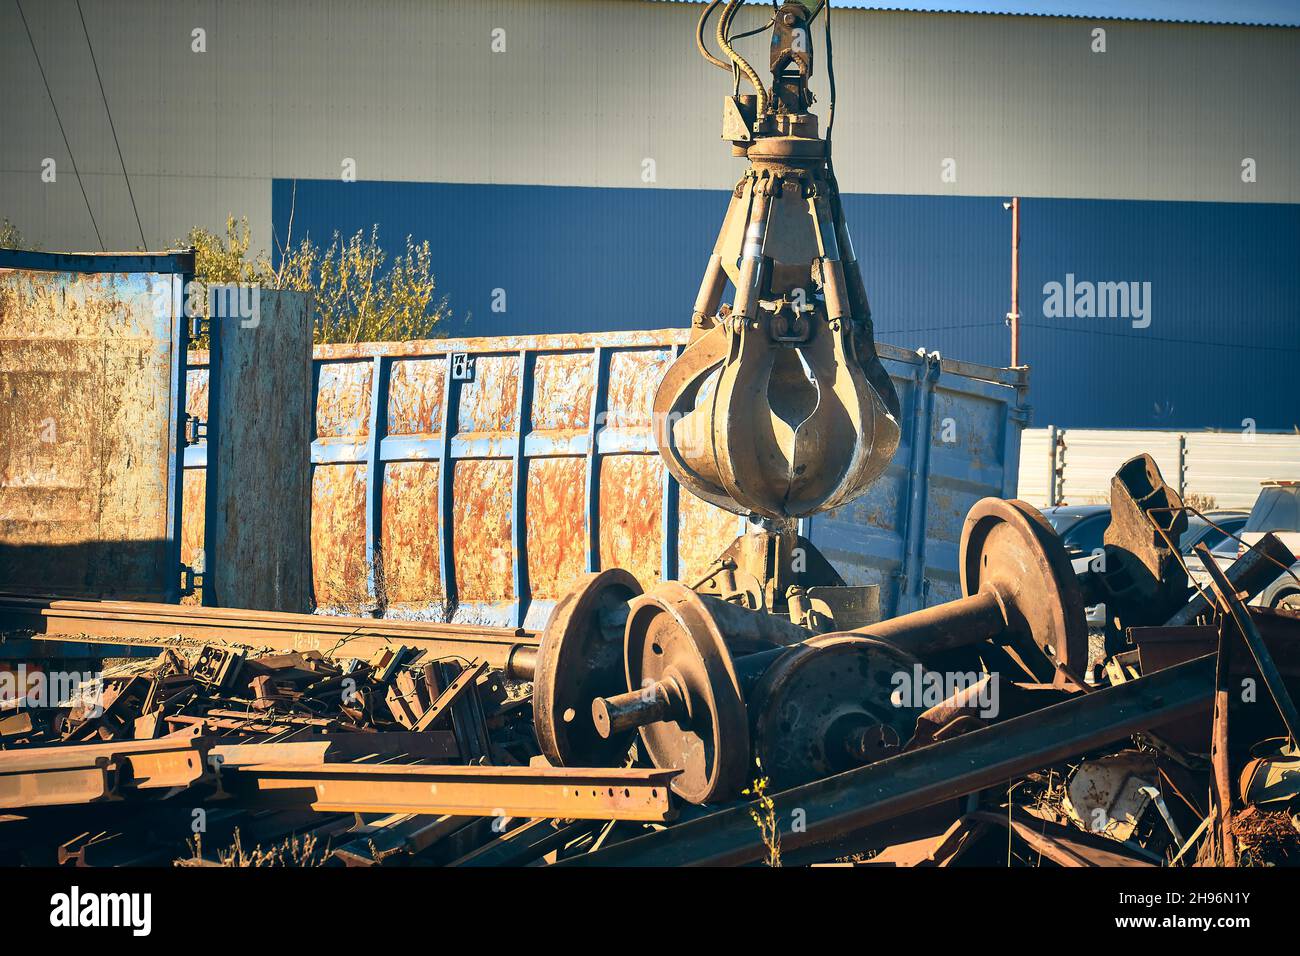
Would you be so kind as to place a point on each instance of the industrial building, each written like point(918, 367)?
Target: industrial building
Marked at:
point(647, 548)
point(568, 174)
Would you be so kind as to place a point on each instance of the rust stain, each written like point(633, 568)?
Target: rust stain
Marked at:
point(562, 385)
point(481, 530)
point(410, 533)
point(343, 400)
point(194, 500)
point(704, 532)
point(631, 508)
point(556, 534)
point(633, 378)
point(488, 402)
point(338, 535)
point(416, 392)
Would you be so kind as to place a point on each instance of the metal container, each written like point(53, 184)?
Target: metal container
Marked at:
point(472, 480)
point(92, 364)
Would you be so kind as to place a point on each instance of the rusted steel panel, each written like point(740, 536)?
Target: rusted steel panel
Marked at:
point(631, 526)
point(633, 378)
point(343, 401)
point(415, 397)
point(904, 532)
point(704, 531)
point(411, 528)
point(563, 383)
point(338, 537)
point(258, 542)
point(193, 496)
point(488, 403)
point(90, 365)
point(553, 472)
point(481, 536)
point(554, 505)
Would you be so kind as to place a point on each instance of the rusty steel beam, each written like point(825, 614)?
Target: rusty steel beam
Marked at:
point(559, 793)
point(881, 791)
point(137, 623)
point(1232, 607)
point(338, 748)
point(90, 773)
point(455, 690)
point(1249, 574)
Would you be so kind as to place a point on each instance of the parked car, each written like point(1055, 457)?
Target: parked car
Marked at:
point(1277, 509)
point(1081, 529)
point(1216, 535)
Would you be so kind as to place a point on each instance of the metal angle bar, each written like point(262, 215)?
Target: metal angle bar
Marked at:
point(464, 679)
point(1250, 634)
point(139, 625)
point(403, 834)
point(337, 748)
point(519, 487)
point(559, 793)
point(911, 781)
point(375, 471)
point(599, 398)
point(524, 844)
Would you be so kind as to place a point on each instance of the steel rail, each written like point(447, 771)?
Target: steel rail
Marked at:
point(137, 623)
point(478, 791)
point(89, 773)
point(881, 791)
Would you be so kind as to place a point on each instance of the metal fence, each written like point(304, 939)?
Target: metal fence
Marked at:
point(1223, 469)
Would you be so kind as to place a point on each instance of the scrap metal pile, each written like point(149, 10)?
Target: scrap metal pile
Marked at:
point(695, 725)
point(764, 713)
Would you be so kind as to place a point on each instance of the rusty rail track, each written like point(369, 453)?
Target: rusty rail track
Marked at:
point(135, 624)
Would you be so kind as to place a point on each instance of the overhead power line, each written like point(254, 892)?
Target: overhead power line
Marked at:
point(104, 96)
point(58, 119)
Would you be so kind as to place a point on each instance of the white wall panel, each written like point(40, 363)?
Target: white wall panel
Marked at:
point(1225, 467)
point(587, 89)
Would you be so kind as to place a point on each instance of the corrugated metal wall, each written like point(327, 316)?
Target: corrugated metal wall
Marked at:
point(588, 89)
point(1224, 467)
point(524, 169)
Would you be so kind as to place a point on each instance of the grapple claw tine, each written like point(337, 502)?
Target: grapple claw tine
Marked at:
point(780, 406)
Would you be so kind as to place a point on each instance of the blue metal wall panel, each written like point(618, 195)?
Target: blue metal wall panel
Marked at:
point(1225, 283)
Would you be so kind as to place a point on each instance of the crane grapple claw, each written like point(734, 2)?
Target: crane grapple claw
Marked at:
point(779, 406)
